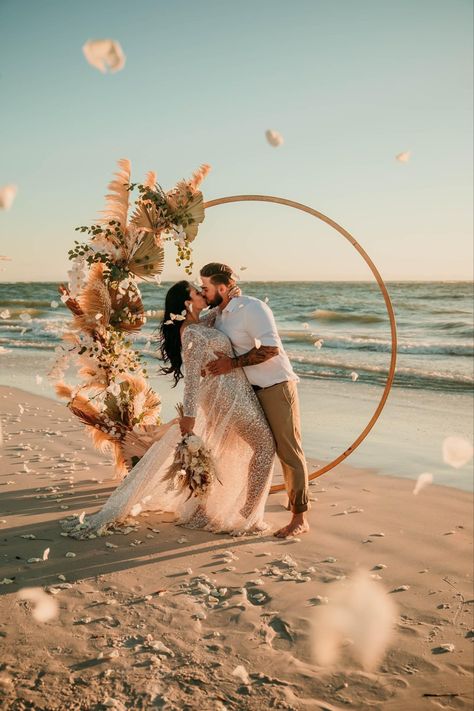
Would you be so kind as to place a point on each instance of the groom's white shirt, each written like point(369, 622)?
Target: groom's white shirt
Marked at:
point(245, 320)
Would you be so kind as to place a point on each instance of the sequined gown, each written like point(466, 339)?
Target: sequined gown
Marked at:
point(231, 422)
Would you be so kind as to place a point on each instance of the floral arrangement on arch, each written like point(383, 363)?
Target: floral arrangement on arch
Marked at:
point(114, 399)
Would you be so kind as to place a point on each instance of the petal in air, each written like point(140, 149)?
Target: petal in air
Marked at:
point(106, 55)
point(423, 480)
point(457, 451)
point(274, 138)
point(403, 157)
point(7, 196)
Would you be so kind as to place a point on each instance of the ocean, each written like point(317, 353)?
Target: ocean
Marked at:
point(434, 322)
point(431, 397)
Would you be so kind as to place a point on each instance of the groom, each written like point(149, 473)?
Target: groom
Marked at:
point(251, 327)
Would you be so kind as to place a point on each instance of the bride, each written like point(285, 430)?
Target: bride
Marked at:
point(223, 410)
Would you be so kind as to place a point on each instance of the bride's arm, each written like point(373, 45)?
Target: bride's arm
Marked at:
point(193, 350)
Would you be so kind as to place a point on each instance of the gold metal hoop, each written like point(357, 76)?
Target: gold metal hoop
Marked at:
point(383, 289)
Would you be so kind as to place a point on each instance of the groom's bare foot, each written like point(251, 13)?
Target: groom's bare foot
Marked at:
point(296, 527)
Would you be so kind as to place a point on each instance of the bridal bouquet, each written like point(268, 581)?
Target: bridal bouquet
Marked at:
point(193, 468)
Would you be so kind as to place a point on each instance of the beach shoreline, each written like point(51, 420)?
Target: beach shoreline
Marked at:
point(120, 607)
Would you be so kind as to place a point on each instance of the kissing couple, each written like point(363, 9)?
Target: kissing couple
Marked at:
point(240, 397)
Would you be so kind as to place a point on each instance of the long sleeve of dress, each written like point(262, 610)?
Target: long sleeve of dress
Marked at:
point(193, 351)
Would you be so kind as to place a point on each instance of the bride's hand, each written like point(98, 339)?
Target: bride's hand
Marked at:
point(186, 425)
point(234, 292)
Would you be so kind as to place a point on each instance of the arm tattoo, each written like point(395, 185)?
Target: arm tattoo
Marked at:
point(255, 356)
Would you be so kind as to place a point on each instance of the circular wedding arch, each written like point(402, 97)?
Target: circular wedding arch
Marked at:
point(383, 289)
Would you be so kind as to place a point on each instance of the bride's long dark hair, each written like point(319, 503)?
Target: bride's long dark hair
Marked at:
point(170, 340)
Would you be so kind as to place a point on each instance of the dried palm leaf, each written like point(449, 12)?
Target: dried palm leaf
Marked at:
point(149, 258)
point(94, 302)
point(119, 197)
point(195, 215)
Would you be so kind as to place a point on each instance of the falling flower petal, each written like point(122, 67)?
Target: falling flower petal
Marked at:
point(358, 609)
point(45, 608)
point(457, 451)
point(46, 553)
point(318, 343)
point(5, 314)
point(257, 343)
point(423, 480)
point(7, 196)
point(24, 316)
point(104, 54)
point(39, 379)
point(403, 157)
point(305, 326)
point(54, 304)
point(274, 138)
point(354, 376)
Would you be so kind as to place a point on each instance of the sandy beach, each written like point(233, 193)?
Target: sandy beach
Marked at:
point(158, 616)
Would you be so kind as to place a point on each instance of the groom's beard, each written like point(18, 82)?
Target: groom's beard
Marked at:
point(215, 301)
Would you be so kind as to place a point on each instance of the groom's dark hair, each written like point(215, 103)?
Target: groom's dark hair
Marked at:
point(218, 273)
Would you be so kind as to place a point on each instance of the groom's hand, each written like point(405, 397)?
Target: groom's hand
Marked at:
point(220, 366)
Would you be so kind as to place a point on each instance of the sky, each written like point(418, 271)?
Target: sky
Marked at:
point(349, 85)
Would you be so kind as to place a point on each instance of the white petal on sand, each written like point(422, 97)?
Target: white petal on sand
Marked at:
point(45, 608)
point(457, 451)
point(423, 480)
point(354, 376)
point(403, 157)
point(7, 196)
point(274, 138)
point(69, 554)
point(447, 647)
point(359, 609)
point(81, 517)
point(136, 509)
point(104, 54)
point(46, 553)
point(400, 588)
point(241, 673)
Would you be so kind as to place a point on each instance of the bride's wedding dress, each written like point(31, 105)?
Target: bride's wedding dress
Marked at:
point(233, 426)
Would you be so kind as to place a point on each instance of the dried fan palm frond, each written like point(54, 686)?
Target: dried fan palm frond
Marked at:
point(195, 211)
point(119, 197)
point(149, 258)
point(94, 302)
point(147, 217)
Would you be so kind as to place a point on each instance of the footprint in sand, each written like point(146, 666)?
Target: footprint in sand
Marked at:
point(257, 596)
